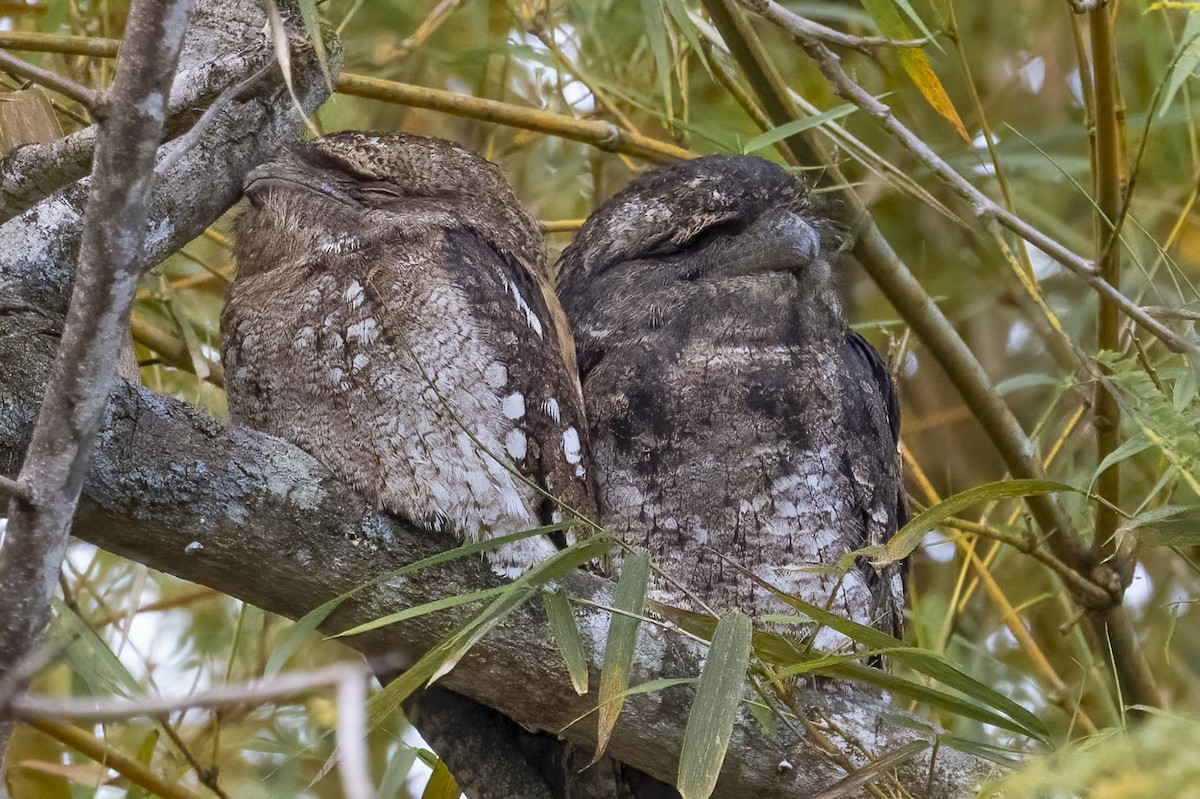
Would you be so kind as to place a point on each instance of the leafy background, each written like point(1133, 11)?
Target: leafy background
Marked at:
point(1010, 74)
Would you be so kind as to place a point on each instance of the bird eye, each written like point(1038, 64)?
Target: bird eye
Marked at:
point(382, 192)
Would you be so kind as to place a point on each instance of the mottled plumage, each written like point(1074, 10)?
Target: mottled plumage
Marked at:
point(392, 316)
point(732, 410)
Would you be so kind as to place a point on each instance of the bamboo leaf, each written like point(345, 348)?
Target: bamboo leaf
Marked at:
point(922, 661)
point(442, 784)
point(1187, 63)
point(1168, 525)
point(443, 657)
point(915, 62)
point(421, 610)
point(566, 636)
point(902, 544)
point(660, 45)
point(1156, 416)
point(648, 687)
point(630, 598)
point(714, 711)
point(775, 135)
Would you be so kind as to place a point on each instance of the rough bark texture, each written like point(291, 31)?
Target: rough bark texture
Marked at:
point(257, 518)
point(274, 529)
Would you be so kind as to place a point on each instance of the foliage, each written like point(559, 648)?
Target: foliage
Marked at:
point(988, 594)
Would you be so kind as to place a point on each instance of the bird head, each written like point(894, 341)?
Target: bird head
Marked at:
point(399, 175)
point(711, 218)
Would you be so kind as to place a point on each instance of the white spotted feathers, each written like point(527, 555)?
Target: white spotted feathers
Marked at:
point(408, 339)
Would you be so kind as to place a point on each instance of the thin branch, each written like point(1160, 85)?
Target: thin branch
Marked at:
point(85, 366)
point(13, 489)
point(283, 689)
point(981, 205)
point(130, 768)
point(86, 97)
point(49, 43)
point(179, 147)
point(603, 135)
point(1110, 169)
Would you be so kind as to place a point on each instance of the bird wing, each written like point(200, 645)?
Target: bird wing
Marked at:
point(529, 334)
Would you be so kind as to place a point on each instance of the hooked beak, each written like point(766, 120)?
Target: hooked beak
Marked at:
point(778, 242)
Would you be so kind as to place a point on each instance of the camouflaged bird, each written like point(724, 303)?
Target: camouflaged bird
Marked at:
point(392, 316)
point(736, 422)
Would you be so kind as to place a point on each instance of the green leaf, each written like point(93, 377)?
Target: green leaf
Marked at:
point(396, 774)
point(1155, 415)
point(648, 687)
point(1187, 62)
point(566, 636)
point(714, 711)
point(1168, 525)
point(1028, 380)
point(877, 766)
point(298, 634)
point(630, 601)
point(311, 620)
point(660, 45)
point(902, 544)
point(924, 662)
point(445, 655)
point(428, 607)
point(777, 650)
point(312, 27)
point(685, 25)
point(775, 135)
point(1128, 448)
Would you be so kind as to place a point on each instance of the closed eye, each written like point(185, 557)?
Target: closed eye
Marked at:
point(697, 241)
point(381, 192)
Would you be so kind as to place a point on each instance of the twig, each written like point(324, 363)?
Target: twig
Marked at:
point(128, 767)
point(86, 97)
point(603, 135)
point(981, 205)
point(179, 147)
point(350, 679)
point(815, 30)
point(278, 690)
point(13, 489)
point(85, 366)
point(1109, 173)
point(49, 43)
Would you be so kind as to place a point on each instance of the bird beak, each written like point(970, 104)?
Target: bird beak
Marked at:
point(779, 242)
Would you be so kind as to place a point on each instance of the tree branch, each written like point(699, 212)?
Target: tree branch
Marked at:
point(177, 491)
point(131, 116)
point(86, 97)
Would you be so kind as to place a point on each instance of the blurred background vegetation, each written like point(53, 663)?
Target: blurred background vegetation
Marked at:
point(1015, 76)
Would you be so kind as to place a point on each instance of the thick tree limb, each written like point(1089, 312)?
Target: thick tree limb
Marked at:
point(256, 518)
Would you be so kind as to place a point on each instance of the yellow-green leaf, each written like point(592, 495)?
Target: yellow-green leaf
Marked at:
point(714, 711)
point(915, 62)
point(630, 601)
point(442, 784)
point(566, 636)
